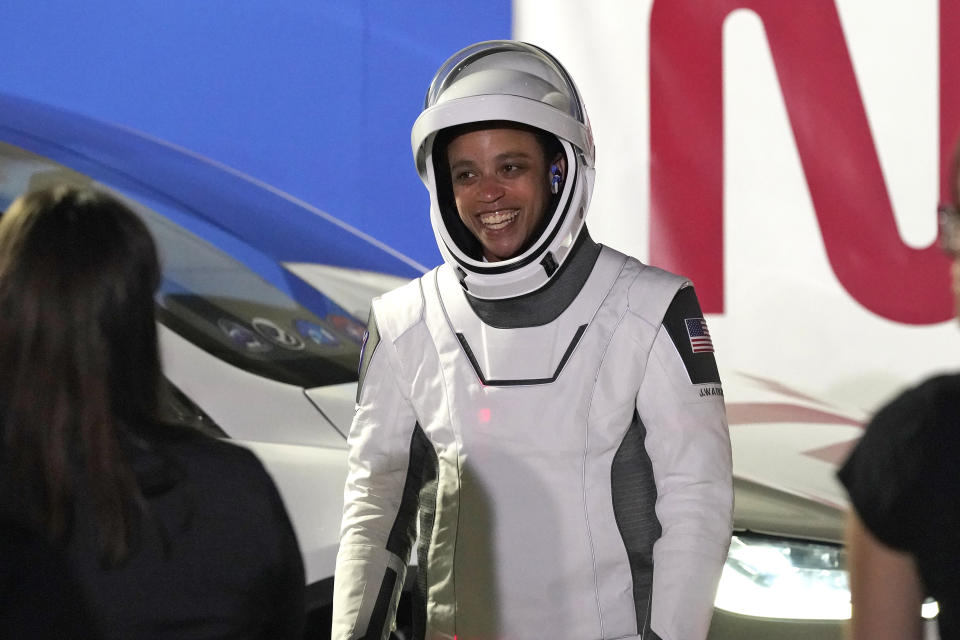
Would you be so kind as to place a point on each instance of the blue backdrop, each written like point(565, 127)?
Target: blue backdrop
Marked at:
point(315, 97)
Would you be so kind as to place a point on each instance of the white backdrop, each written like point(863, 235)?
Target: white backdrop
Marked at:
point(786, 317)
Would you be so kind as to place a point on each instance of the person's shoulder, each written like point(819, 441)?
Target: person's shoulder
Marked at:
point(407, 291)
point(894, 464)
point(920, 412)
point(934, 396)
point(645, 275)
point(652, 289)
point(170, 432)
point(894, 436)
point(936, 390)
point(399, 309)
point(207, 447)
point(197, 449)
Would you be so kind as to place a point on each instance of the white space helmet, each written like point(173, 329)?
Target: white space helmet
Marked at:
point(504, 80)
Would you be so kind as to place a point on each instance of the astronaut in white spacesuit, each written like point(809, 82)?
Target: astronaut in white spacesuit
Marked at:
point(544, 413)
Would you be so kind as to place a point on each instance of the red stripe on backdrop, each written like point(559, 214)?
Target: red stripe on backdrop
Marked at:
point(833, 137)
point(780, 412)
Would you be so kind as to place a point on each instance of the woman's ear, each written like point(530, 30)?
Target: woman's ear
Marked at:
point(558, 170)
point(560, 161)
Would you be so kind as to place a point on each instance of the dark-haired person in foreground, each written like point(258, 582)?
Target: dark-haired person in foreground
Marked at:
point(169, 533)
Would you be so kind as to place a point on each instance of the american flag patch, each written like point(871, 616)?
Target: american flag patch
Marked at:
point(699, 335)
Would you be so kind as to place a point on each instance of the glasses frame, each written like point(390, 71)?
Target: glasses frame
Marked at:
point(948, 229)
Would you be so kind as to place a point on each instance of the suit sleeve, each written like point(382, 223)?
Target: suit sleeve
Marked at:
point(378, 526)
point(681, 403)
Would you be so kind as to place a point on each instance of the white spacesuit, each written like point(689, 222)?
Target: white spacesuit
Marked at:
point(551, 426)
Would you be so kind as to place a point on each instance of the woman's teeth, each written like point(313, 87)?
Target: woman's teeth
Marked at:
point(498, 219)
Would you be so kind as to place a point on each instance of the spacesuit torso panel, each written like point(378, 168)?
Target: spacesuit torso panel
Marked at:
point(533, 419)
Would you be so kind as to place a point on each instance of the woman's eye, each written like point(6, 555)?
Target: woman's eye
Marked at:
point(463, 176)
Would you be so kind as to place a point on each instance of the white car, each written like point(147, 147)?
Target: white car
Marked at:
point(262, 313)
point(251, 352)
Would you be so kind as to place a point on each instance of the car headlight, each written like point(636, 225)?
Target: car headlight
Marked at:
point(779, 578)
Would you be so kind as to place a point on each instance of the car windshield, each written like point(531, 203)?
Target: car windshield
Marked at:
point(225, 296)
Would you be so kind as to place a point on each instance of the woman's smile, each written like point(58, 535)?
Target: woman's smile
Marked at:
point(501, 186)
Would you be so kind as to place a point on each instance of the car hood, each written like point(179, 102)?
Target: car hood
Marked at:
point(787, 447)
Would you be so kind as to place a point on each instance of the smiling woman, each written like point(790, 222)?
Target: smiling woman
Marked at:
point(535, 382)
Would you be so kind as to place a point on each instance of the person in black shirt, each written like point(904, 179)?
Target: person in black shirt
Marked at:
point(169, 533)
point(39, 596)
point(903, 478)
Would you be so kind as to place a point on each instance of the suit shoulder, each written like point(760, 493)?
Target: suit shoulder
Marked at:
point(398, 310)
point(652, 290)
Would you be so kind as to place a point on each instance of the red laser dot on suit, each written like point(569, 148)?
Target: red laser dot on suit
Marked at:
point(483, 416)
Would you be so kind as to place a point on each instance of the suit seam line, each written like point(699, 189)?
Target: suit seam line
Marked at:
point(583, 465)
point(456, 439)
